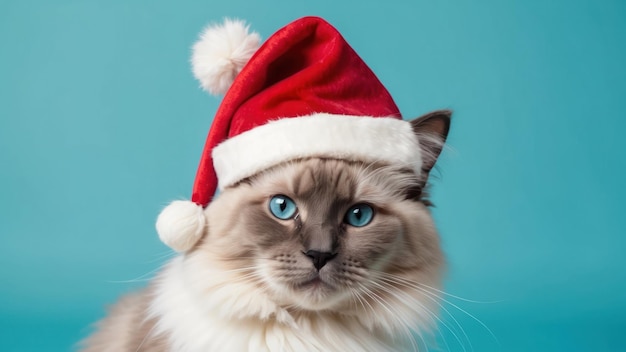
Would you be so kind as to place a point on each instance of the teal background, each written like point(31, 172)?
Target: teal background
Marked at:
point(101, 124)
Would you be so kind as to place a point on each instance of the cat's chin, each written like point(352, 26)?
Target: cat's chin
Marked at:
point(313, 300)
point(315, 294)
point(314, 284)
point(315, 288)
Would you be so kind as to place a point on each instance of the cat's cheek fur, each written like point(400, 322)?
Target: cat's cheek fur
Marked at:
point(375, 243)
point(424, 250)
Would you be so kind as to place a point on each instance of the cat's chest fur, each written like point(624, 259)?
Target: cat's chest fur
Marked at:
point(237, 318)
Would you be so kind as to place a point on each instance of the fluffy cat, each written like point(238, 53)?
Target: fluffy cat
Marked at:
point(315, 254)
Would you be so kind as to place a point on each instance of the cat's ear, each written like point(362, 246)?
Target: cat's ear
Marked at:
point(431, 131)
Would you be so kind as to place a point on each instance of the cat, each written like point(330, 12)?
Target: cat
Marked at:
point(314, 254)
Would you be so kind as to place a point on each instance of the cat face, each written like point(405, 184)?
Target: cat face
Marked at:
point(328, 235)
point(319, 234)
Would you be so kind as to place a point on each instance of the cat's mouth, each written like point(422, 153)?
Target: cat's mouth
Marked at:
point(316, 293)
point(315, 283)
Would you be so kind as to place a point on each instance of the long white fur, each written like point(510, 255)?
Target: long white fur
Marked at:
point(208, 309)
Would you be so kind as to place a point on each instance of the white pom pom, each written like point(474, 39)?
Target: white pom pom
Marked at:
point(181, 224)
point(221, 53)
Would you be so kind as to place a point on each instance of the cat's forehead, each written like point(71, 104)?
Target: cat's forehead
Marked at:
point(339, 179)
point(306, 178)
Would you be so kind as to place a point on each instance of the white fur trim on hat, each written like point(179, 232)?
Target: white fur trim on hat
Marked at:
point(220, 54)
point(181, 224)
point(355, 138)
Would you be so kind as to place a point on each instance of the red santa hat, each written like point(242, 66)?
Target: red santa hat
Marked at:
point(303, 93)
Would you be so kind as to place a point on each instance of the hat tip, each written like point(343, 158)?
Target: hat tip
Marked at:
point(221, 53)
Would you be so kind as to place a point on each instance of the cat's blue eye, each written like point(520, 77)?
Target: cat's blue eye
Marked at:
point(359, 215)
point(282, 207)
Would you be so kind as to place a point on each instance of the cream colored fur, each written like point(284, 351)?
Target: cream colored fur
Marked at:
point(228, 294)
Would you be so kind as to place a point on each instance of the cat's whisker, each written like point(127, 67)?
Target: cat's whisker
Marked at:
point(406, 326)
point(430, 313)
point(435, 299)
point(161, 257)
point(244, 278)
point(251, 276)
point(423, 285)
point(425, 289)
point(463, 311)
point(131, 281)
point(364, 301)
point(356, 298)
point(238, 270)
point(141, 278)
point(243, 258)
point(388, 289)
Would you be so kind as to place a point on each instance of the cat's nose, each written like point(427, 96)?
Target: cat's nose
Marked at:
point(319, 258)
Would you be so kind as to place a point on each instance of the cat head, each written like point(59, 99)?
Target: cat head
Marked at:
point(320, 234)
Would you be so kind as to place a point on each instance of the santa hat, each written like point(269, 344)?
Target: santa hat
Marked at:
point(304, 93)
